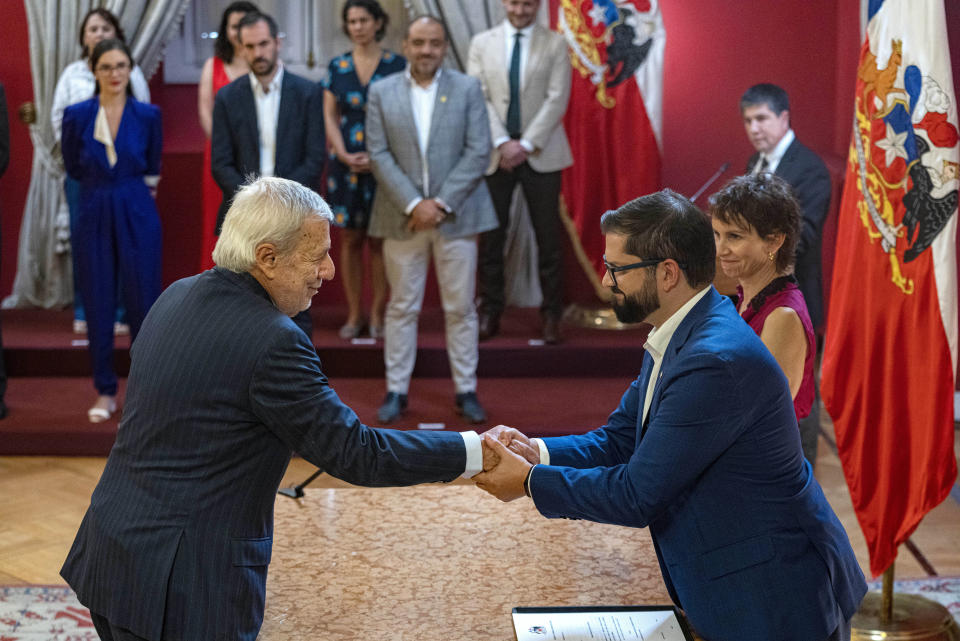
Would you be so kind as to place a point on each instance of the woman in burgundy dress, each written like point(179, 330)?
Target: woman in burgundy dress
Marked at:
point(756, 222)
point(226, 65)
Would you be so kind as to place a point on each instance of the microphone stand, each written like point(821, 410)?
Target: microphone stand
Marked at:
point(296, 492)
point(725, 166)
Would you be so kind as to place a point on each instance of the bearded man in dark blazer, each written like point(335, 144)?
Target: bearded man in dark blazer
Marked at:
point(223, 387)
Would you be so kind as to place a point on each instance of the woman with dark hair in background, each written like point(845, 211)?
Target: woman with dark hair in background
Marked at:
point(350, 185)
point(76, 83)
point(223, 67)
point(756, 224)
point(111, 147)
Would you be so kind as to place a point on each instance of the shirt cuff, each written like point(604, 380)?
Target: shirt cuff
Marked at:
point(544, 452)
point(499, 141)
point(443, 205)
point(413, 203)
point(526, 144)
point(152, 181)
point(471, 441)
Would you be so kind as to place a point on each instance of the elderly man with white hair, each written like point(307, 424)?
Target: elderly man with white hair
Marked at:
point(223, 388)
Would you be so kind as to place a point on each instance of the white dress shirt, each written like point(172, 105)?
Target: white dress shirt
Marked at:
point(267, 102)
point(77, 84)
point(509, 31)
point(775, 156)
point(471, 441)
point(422, 100)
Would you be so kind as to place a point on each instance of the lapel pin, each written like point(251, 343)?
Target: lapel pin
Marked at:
point(443, 98)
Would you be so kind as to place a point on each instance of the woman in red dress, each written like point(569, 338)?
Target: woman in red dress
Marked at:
point(226, 65)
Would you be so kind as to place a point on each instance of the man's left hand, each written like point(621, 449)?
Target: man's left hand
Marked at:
point(505, 479)
point(512, 155)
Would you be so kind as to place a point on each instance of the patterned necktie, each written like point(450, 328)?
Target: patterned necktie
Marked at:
point(513, 111)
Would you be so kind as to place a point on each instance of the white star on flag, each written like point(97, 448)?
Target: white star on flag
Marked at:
point(598, 14)
point(893, 145)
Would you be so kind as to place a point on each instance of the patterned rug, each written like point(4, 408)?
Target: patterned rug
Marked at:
point(52, 613)
point(43, 613)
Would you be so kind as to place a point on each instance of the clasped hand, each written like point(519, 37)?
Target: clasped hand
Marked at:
point(508, 456)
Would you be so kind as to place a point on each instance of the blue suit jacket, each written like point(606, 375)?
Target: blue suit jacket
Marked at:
point(301, 147)
point(748, 545)
point(222, 387)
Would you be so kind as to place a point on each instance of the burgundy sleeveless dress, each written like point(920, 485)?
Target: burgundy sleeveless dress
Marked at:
point(785, 292)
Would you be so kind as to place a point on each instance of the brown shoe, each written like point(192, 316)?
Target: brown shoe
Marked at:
point(489, 325)
point(551, 330)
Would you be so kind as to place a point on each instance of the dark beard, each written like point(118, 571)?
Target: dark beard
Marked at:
point(636, 308)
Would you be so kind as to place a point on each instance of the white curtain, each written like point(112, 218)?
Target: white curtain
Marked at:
point(44, 277)
point(463, 19)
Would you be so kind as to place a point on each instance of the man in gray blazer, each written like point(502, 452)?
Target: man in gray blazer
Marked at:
point(223, 387)
point(429, 144)
point(525, 73)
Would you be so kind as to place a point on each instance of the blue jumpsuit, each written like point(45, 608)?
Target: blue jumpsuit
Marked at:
point(118, 227)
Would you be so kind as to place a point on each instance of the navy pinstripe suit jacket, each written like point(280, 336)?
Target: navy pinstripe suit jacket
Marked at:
point(222, 387)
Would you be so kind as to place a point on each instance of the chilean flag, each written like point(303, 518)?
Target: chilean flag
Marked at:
point(891, 343)
point(614, 117)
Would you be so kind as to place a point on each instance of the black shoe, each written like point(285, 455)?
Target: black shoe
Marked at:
point(489, 325)
point(469, 407)
point(393, 406)
point(3, 410)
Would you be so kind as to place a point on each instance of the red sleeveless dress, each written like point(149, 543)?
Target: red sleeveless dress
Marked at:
point(211, 194)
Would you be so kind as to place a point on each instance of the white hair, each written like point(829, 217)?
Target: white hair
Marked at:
point(265, 210)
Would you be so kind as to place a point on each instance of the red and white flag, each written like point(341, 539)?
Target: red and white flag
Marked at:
point(891, 343)
point(614, 117)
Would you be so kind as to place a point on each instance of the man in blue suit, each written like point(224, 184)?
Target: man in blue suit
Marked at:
point(703, 450)
point(223, 387)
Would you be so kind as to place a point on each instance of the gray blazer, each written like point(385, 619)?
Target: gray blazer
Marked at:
point(458, 151)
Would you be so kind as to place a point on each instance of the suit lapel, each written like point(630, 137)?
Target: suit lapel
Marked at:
point(534, 55)
point(785, 166)
point(678, 340)
point(286, 118)
point(495, 55)
point(249, 110)
point(439, 108)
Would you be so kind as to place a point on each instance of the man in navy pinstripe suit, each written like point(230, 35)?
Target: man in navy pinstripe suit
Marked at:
point(223, 387)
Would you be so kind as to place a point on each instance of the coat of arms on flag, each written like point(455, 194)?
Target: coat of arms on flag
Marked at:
point(905, 154)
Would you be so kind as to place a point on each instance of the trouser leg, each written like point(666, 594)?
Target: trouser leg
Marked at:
point(501, 185)
point(406, 264)
point(96, 275)
point(455, 260)
point(138, 246)
point(71, 191)
point(542, 192)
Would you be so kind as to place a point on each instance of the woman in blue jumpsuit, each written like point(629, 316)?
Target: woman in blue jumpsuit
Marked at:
point(111, 145)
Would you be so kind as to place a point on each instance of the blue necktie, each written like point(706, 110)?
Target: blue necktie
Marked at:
point(513, 111)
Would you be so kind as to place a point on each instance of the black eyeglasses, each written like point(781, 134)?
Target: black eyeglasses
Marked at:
point(612, 269)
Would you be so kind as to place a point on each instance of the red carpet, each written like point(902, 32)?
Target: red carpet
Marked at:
point(542, 390)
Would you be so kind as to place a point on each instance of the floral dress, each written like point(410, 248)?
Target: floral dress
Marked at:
point(349, 194)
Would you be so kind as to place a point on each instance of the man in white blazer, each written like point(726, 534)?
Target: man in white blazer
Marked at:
point(525, 73)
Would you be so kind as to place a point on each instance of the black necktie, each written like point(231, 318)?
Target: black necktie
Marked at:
point(764, 164)
point(513, 111)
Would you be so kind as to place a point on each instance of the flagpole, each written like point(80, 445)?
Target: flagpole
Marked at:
point(914, 617)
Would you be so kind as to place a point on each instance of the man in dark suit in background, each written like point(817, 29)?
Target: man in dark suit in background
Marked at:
point(222, 388)
point(4, 161)
point(703, 450)
point(266, 123)
point(765, 109)
point(524, 70)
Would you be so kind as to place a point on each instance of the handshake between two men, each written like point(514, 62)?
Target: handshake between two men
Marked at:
point(508, 459)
